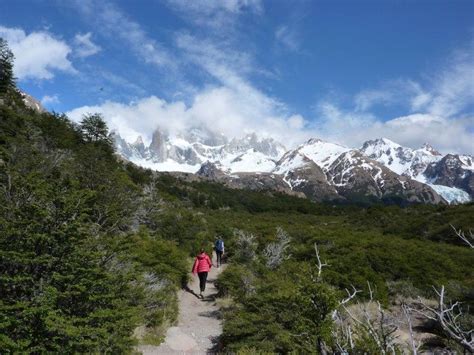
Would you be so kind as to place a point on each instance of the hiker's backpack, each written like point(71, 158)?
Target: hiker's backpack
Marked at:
point(219, 245)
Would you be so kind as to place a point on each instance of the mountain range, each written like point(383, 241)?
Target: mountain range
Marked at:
point(321, 171)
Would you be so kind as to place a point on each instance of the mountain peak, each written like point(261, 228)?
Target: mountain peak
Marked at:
point(252, 136)
point(209, 170)
point(313, 141)
point(380, 142)
point(429, 148)
point(138, 141)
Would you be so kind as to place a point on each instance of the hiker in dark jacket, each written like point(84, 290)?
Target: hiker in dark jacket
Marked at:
point(219, 248)
point(202, 265)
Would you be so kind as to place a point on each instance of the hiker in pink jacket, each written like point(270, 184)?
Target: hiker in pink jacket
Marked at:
point(201, 266)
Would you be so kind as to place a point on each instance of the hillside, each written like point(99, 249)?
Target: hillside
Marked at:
point(93, 247)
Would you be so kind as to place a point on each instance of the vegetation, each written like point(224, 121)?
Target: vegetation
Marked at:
point(92, 247)
point(7, 80)
point(79, 270)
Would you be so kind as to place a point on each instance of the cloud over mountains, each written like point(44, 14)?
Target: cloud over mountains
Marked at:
point(205, 70)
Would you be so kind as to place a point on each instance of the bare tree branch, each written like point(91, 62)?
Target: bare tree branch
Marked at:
point(469, 240)
point(447, 316)
point(413, 343)
point(320, 264)
point(371, 293)
point(379, 328)
point(350, 295)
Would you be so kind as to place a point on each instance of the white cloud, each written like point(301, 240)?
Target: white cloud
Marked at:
point(223, 110)
point(448, 92)
point(137, 118)
point(210, 7)
point(453, 89)
point(232, 104)
point(116, 24)
point(287, 37)
point(230, 68)
point(296, 122)
point(220, 14)
point(447, 135)
point(439, 112)
point(84, 47)
point(220, 109)
point(352, 128)
point(38, 55)
point(227, 66)
point(48, 100)
point(419, 97)
point(368, 98)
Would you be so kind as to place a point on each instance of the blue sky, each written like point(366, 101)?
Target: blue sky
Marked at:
point(341, 70)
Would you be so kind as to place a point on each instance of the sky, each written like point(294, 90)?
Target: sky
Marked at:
point(341, 70)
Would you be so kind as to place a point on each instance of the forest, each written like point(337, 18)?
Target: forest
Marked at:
point(92, 247)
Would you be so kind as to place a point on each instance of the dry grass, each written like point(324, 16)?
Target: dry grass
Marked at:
point(151, 335)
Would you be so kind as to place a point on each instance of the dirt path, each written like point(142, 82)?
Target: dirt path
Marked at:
point(199, 325)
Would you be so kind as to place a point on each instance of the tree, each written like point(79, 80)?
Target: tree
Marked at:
point(7, 80)
point(277, 252)
point(61, 289)
point(94, 128)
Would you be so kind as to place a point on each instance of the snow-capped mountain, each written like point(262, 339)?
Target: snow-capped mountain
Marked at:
point(452, 176)
point(402, 160)
point(316, 150)
point(324, 169)
point(380, 169)
point(187, 152)
point(354, 175)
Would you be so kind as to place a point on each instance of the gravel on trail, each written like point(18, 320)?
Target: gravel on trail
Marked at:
point(199, 322)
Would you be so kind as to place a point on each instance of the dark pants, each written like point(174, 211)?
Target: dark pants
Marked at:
point(202, 280)
point(219, 257)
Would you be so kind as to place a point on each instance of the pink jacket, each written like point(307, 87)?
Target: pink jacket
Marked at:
point(202, 263)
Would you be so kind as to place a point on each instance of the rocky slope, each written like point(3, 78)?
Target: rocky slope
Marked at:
point(450, 175)
point(31, 102)
point(379, 170)
point(402, 160)
point(453, 171)
point(355, 176)
point(351, 176)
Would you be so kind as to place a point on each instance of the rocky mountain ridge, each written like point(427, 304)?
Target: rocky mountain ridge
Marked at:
point(186, 153)
point(379, 170)
point(451, 175)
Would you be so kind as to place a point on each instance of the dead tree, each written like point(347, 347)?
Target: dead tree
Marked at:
point(380, 327)
point(343, 334)
point(246, 246)
point(448, 317)
point(415, 346)
point(469, 239)
point(275, 253)
point(320, 264)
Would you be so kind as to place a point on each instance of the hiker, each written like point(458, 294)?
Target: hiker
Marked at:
point(201, 266)
point(219, 248)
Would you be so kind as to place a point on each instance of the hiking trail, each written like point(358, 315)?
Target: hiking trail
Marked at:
point(199, 322)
